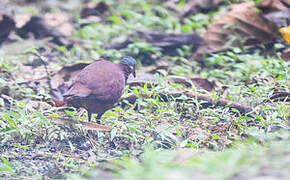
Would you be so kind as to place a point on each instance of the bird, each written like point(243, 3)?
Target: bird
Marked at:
point(100, 85)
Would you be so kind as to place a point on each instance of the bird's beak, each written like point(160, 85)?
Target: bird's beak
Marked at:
point(134, 72)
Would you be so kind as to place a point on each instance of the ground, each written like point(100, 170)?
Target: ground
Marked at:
point(158, 135)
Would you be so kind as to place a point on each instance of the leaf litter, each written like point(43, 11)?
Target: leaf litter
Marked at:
point(55, 144)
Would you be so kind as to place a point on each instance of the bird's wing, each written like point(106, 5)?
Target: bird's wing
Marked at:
point(77, 90)
point(107, 87)
point(103, 81)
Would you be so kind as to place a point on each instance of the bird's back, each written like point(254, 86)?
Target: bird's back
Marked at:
point(101, 80)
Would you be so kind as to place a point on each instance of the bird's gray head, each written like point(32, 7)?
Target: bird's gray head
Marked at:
point(131, 62)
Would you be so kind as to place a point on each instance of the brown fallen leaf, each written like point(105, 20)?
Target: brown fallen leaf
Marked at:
point(84, 125)
point(268, 6)
point(56, 21)
point(277, 11)
point(241, 26)
point(39, 28)
point(286, 54)
point(95, 12)
point(62, 80)
point(203, 83)
point(21, 20)
point(198, 82)
point(181, 80)
point(7, 25)
point(60, 21)
point(280, 18)
point(94, 126)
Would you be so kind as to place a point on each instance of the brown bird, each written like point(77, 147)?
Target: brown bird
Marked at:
point(100, 85)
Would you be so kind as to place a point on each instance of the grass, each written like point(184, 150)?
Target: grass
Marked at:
point(155, 139)
point(248, 158)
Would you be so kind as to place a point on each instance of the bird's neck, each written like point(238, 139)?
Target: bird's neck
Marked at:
point(126, 70)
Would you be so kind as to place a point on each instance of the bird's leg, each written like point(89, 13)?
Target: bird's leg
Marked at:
point(99, 118)
point(90, 132)
point(89, 116)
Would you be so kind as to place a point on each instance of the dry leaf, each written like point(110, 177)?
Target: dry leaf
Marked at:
point(273, 5)
point(95, 12)
point(59, 21)
point(203, 83)
point(277, 11)
point(94, 126)
point(84, 125)
point(21, 20)
point(181, 80)
point(198, 82)
point(286, 54)
point(241, 26)
point(40, 28)
point(61, 81)
point(280, 18)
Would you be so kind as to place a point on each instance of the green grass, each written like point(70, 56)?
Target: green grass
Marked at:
point(244, 160)
point(149, 139)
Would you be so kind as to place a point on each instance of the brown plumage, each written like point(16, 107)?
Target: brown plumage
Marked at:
point(100, 85)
